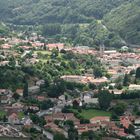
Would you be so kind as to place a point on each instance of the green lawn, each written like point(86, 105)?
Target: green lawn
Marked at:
point(43, 52)
point(2, 113)
point(88, 114)
point(21, 115)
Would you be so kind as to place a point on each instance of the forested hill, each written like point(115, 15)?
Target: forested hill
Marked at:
point(52, 11)
point(105, 20)
point(126, 20)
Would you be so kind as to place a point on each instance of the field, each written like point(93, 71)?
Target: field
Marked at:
point(43, 52)
point(88, 114)
point(2, 113)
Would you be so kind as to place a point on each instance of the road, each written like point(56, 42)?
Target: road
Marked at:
point(46, 133)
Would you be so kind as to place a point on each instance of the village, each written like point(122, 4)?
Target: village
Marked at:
point(20, 117)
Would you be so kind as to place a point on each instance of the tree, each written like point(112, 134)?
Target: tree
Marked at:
point(34, 118)
point(131, 129)
point(92, 86)
point(16, 96)
point(119, 86)
point(55, 53)
point(119, 109)
point(46, 104)
point(126, 80)
point(104, 98)
point(114, 116)
point(138, 72)
point(135, 109)
point(75, 104)
point(97, 72)
point(25, 90)
point(4, 118)
point(51, 29)
point(69, 124)
point(90, 135)
point(84, 121)
point(59, 136)
point(72, 134)
point(57, 88)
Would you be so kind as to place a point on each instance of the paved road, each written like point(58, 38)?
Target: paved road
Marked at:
point(46, 133)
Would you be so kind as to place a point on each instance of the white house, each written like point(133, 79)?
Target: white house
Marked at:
point(134, 87)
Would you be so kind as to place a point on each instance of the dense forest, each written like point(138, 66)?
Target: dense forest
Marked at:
point(55, 11)
point(126, 20)
point(89, 22)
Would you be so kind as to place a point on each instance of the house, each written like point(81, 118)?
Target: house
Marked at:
point(89, 100)
point(87, 127)
point(84, 79)
point(62, 98)
point(4, 63)
point(6, 46)
point(62, 117)
point(18, 105)
point(34, 89)
point(124, 48)
point(134, 87)
point(33, 107)
point(19, 92)
point(107, 125)
point(137, 132)
point(116, 91)
point(4, 91)
point(130, 136)
point(110, 52)
point(13, 119)
point(137, 121)
point(27, 122)
point(55, 128)
point(58, 46)
point(5, 99)
point(126, 120)
point(40, 82)
point(40, 98)
point(113, 129)
point(10, 132)
point(99, 119)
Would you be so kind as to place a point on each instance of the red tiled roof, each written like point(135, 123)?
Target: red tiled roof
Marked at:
point(100, 118)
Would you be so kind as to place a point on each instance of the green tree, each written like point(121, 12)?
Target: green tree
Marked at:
point(138, 72)
point(34, 118)
point(114, 116)
point(92, 86)
point(25, 90)
point(119, 109)
point(72, 134)
point(97, 72)
point(126, 80)
point(104, 98)
point(131, 129)
point(59, 136)
point(4, 118)
point(55, 53)
point(46, 104)
point(16, 96)
point(51, 29)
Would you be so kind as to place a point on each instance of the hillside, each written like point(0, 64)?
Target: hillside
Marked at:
point(75, 19)
point(55, 11)
point(126, 20)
